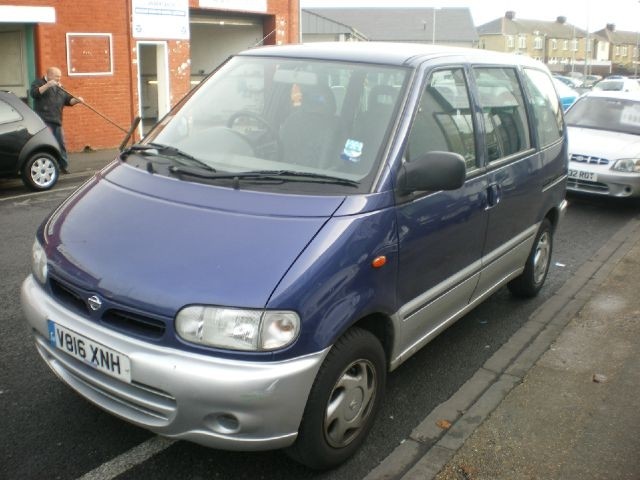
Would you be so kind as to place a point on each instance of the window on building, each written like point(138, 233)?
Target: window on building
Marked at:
point(554, 44)
point(444, 120)
point(574, 44)
point(505, 118)
point(624, 51)
point(522, 42)
point(616, 51)
point(538, 43)
point(510, 42)
point(565, 45)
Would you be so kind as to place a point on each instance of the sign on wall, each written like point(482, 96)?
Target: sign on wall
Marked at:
point(161, 19)
point(89, 54)
point(239, 5)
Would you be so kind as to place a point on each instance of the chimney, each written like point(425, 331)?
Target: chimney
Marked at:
point(510, 14)
point(611, 27)
point(561, 20)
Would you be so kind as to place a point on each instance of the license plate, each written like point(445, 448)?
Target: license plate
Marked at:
point(582, 175)
point(92, 353)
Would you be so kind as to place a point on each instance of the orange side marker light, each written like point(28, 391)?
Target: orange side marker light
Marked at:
point(379, 261)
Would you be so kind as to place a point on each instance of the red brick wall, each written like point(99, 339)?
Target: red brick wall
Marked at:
point(112, 95)
point(116, 96)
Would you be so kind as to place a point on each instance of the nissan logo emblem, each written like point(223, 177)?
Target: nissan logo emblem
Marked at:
point(94, 302)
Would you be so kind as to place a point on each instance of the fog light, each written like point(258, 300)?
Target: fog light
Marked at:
point(224, 423)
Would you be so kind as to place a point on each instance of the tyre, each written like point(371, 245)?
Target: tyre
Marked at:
point(529, 283)
point(40, 171)
point(343, 401)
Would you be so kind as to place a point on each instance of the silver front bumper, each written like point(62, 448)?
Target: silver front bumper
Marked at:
point(221, 403)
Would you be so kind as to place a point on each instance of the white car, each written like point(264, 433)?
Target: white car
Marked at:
point(604, 144)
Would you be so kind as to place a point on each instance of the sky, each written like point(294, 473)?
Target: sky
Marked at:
point(592, 15)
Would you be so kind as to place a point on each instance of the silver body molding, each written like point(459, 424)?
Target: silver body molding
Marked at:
point(185, 396)
point(421, 320)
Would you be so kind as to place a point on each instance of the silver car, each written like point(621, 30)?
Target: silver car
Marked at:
point(604, 144)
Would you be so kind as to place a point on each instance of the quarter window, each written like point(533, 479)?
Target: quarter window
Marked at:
point(444, 121)
point(505, 119)
point(546, 107)
point(8, 114)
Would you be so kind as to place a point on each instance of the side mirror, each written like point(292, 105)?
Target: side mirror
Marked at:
point(432, 172)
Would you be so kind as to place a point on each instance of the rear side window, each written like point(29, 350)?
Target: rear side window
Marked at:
point(505, 118)
point(444, 121)
point(547, 110)
point(8, 114)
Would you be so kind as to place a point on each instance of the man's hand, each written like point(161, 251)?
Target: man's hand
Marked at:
point(76, 100)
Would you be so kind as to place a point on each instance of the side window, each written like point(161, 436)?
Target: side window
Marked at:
point(444, 120)
point(8, 114)
point(505, 118)
point(547, 110)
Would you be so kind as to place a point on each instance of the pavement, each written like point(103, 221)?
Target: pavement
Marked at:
point(560, 400)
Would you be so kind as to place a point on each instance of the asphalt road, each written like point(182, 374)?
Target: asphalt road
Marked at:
point(48, 432)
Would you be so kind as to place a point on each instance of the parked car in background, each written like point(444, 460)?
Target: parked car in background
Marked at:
point(28, 149)
point(604, 144)
point(566, 94)
point(620, 84)
point(590, 80)
point(571, 82)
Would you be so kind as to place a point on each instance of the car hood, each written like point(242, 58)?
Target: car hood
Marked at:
point(158, 244)
point(603, 144)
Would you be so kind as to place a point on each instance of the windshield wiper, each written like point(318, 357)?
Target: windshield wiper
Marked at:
point(269, 175)
point(166, 151)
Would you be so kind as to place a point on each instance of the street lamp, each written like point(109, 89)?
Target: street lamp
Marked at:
point(433, 29)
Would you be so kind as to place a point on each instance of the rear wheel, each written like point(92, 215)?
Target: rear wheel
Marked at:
point(529, 283)
point(343, 401)
point(40, 171)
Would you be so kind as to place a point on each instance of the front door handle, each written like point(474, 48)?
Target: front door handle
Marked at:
point(493, 195)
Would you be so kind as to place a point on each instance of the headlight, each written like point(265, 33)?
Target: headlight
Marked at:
point(237, 329)
point(39, 262)
point(629, 165)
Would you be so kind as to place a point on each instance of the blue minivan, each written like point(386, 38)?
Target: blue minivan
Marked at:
point(297, 227)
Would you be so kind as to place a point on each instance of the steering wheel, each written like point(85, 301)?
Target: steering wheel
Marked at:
point(266, 142)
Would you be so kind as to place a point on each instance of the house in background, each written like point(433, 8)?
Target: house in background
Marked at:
point(562, 46)
point(443, 26)
point(623, 48)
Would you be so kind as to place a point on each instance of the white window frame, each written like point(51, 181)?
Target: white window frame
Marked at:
point(522, 42)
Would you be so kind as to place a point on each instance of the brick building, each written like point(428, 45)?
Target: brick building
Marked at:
point(130, 57)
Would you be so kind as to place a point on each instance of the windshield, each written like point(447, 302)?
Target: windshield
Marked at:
point(318, 126)
point(614, 114)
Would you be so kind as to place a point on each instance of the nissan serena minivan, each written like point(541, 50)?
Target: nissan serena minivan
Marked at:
point(298, 226)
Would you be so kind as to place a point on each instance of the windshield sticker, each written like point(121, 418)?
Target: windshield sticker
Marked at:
point(352, 151)
point(630, 115)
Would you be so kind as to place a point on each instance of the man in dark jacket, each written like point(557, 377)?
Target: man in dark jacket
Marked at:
point(48, 100)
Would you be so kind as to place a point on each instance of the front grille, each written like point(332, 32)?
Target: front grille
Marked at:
point(112, 315)
point(134, 323)
point(67, 296)
point(586, 186)
point(590, 159)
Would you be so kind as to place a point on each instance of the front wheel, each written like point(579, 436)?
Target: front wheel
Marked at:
point(529, 283)
point(40, 171)
point(343, 401)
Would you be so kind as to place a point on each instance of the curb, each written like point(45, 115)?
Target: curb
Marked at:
point(429, 448)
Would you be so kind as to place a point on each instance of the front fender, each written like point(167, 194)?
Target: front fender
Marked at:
point(333, 284)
